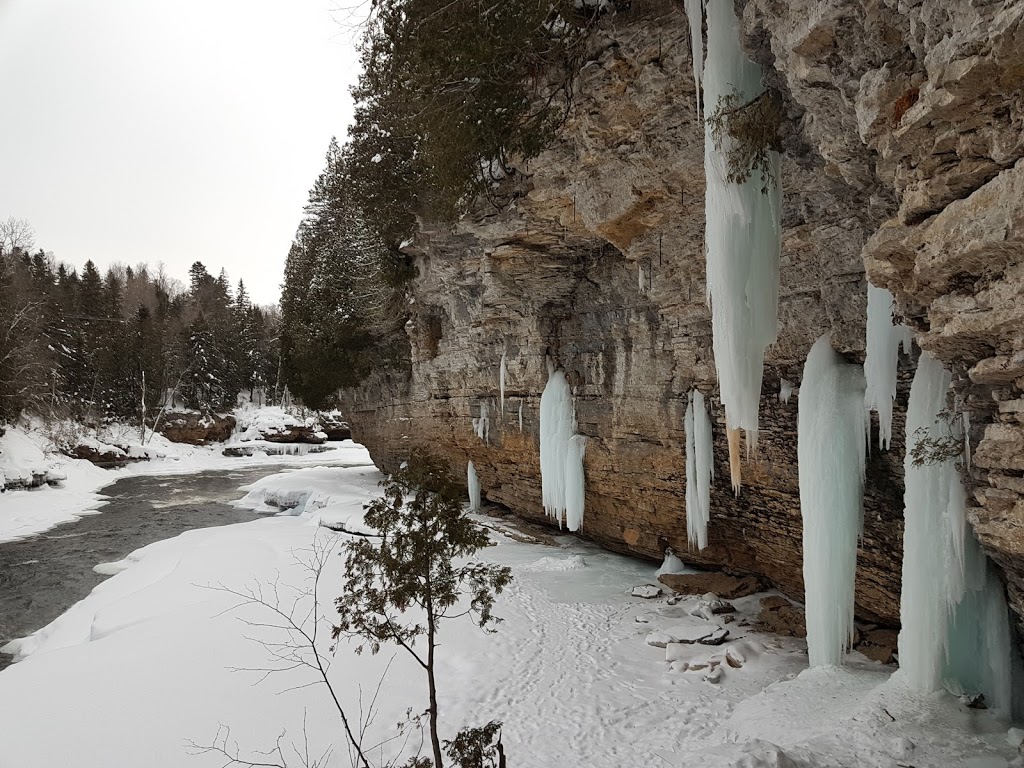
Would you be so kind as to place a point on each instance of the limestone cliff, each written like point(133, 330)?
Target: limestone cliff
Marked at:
point(903, 157)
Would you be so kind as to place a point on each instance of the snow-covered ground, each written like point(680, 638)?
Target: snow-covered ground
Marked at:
point(23, 451)
point(160, 655)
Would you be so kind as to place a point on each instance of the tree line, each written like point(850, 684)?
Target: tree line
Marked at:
point(121, 344)
point(455, 96)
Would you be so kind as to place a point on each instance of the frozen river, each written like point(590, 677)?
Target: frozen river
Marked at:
point(42, 576)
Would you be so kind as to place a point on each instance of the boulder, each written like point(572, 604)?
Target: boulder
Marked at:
point(721, 584)
point(779, 616)
point(195, 428)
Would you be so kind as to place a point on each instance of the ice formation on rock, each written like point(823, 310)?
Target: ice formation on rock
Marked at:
point(520, 415)
point(640, 278)
point(473, 482)
point(831, 447)
point(561, 453)
point(501, 382)
point(979, 649)
point(785, 390)
point(742, 234)
point(695, 14)
point(700, 470)
point(882, 359)
point(482, 425)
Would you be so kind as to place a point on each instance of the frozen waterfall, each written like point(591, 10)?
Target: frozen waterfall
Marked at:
point(700, 470)
point(880, 364)
point(561, 453)
point(742, 233)
point(474, 488)
point(695, 14)
point(955, 627)
point(830, 451)
point(934, 507)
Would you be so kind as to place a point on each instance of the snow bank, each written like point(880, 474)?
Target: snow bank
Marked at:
point(25, 513)
point(254, 423)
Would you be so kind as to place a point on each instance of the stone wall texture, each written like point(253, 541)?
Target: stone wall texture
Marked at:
point(903, 163)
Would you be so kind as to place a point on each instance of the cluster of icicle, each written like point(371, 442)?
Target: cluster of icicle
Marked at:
point(831, 447)
point(882, 359)
point(700, 470)
point(561, 453)
point(952, 610)
point(482, 425)
point(742, 230)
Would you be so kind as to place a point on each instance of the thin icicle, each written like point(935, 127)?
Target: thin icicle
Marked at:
point(933, 536)
point(501, 381)
point(742, 234)
point(830, 457)
point(695, 14)
point(561, 453)
point(474, 488)
point(520, 415)
point(735, 472)
point(641, 277)
point(882, 359)
point(699, 470)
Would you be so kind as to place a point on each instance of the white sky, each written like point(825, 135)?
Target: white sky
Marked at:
point(170, 130)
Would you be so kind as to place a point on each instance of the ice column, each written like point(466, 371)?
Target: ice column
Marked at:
point(561, 453)
point(830, 451)
point(700, 470)
point(882, 359)
point(742, 234)
point(474, 488)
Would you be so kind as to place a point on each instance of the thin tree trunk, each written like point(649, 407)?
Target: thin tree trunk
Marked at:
point(435, 741)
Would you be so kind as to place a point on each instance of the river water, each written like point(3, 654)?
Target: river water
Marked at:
point(42, 576)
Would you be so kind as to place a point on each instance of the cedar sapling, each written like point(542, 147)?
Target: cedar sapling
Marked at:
point(402, 585)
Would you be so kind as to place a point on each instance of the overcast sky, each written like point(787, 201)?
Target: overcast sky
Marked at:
point(170, 130)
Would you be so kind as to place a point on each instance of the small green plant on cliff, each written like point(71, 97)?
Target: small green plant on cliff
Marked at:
point(403, 584)
point(930, 448)
point(753, 129)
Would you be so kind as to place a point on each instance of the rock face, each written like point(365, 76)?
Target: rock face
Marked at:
point(195, 428)
point(902, 138)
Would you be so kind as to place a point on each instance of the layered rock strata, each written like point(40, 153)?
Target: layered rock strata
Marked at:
point(902, 145)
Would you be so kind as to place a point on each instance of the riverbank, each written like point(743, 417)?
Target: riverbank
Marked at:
point(29, 512)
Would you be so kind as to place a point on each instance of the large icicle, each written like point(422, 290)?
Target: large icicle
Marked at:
point(933, 535)
point(830, 452)
point(561, 453)
point(742, 235)
point(882, 359)
point(955, 629)
point(695, 14)
point(474, 488)
point(700, 470)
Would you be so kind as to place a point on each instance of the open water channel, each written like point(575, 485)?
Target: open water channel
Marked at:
point(44, 575)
